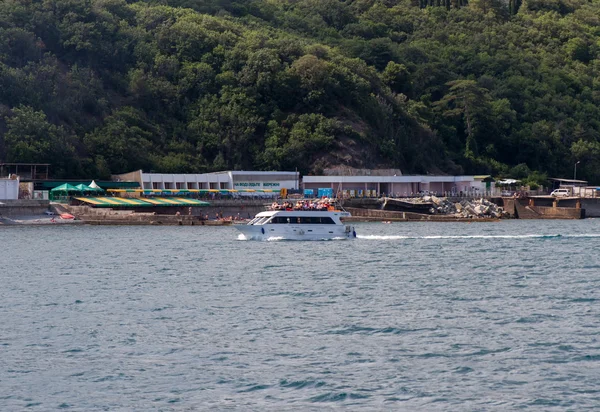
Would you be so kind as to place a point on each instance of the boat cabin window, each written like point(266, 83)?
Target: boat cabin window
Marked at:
point(280, 219)
point(311, 220)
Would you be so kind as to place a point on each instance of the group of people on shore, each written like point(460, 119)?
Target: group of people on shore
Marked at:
point(319, 204)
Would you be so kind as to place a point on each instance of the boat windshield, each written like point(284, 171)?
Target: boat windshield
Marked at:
point(260, 220)
point(253, 221)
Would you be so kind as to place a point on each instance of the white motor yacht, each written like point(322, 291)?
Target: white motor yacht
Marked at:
point(298, 225)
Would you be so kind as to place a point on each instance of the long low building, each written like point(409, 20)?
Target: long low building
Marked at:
point(246, 182)
point(394, 185)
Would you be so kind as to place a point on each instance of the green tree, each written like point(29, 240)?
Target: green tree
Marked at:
point(226, 128)
point(30, 138)
point(470, 101)
point(125, 141)
point(298, 141)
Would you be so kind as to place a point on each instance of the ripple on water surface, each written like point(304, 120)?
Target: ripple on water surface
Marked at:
point(428, 316)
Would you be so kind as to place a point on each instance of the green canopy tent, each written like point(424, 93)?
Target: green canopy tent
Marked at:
point(65, 188)
point(85, 189)
point(61, 192)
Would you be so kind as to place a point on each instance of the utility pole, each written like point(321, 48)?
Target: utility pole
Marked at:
point(575, 171)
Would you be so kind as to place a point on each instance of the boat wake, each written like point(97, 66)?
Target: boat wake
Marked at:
point(532, 236)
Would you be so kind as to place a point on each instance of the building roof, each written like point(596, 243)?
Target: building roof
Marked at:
point(556, 179)
point(386, 179)
point(508, 182)
point(50, 184)
point(226, 172)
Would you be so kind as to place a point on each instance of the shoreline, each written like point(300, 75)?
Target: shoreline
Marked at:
point(39, 213)
point(433, 218)
point(168, 220)
point(31, 220)
point(159, 220)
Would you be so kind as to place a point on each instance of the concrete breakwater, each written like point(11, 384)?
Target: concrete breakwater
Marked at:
point(526, 210)
point(194, 216)
point(35, 212)
point(23, 207)
point(591, 206)
point(149, 219)
point(446, 209)
point(426, 208)
point(368, 215)
point(221, 210)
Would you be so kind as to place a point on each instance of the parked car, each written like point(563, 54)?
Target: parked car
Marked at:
point(561, 193)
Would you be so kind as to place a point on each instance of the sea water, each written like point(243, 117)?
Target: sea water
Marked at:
point(408, 316)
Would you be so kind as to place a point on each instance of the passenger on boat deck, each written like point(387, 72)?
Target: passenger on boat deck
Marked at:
point(320, 204)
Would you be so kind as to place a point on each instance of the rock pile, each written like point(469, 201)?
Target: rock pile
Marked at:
point(465, 208)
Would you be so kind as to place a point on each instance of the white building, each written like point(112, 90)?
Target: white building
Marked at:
point(228, 180)
point(391, 185)
point(247, 182)
point(9, 189)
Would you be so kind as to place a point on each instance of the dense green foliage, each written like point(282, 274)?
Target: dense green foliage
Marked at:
point(107, 86)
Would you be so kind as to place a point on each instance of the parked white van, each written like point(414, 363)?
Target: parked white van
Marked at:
point(561, 193)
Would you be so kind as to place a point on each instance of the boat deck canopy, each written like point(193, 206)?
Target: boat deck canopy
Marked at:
point(141, 202)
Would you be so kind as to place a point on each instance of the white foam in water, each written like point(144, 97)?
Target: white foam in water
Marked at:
point(241, 237)
point(377, 237)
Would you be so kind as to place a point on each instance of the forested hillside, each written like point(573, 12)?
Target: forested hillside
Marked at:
point(107, 86)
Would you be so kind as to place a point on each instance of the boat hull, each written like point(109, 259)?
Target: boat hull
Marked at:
point(296, 232)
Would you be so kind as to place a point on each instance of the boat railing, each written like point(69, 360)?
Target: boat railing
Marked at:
point(295, 209)
point(319, 205)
